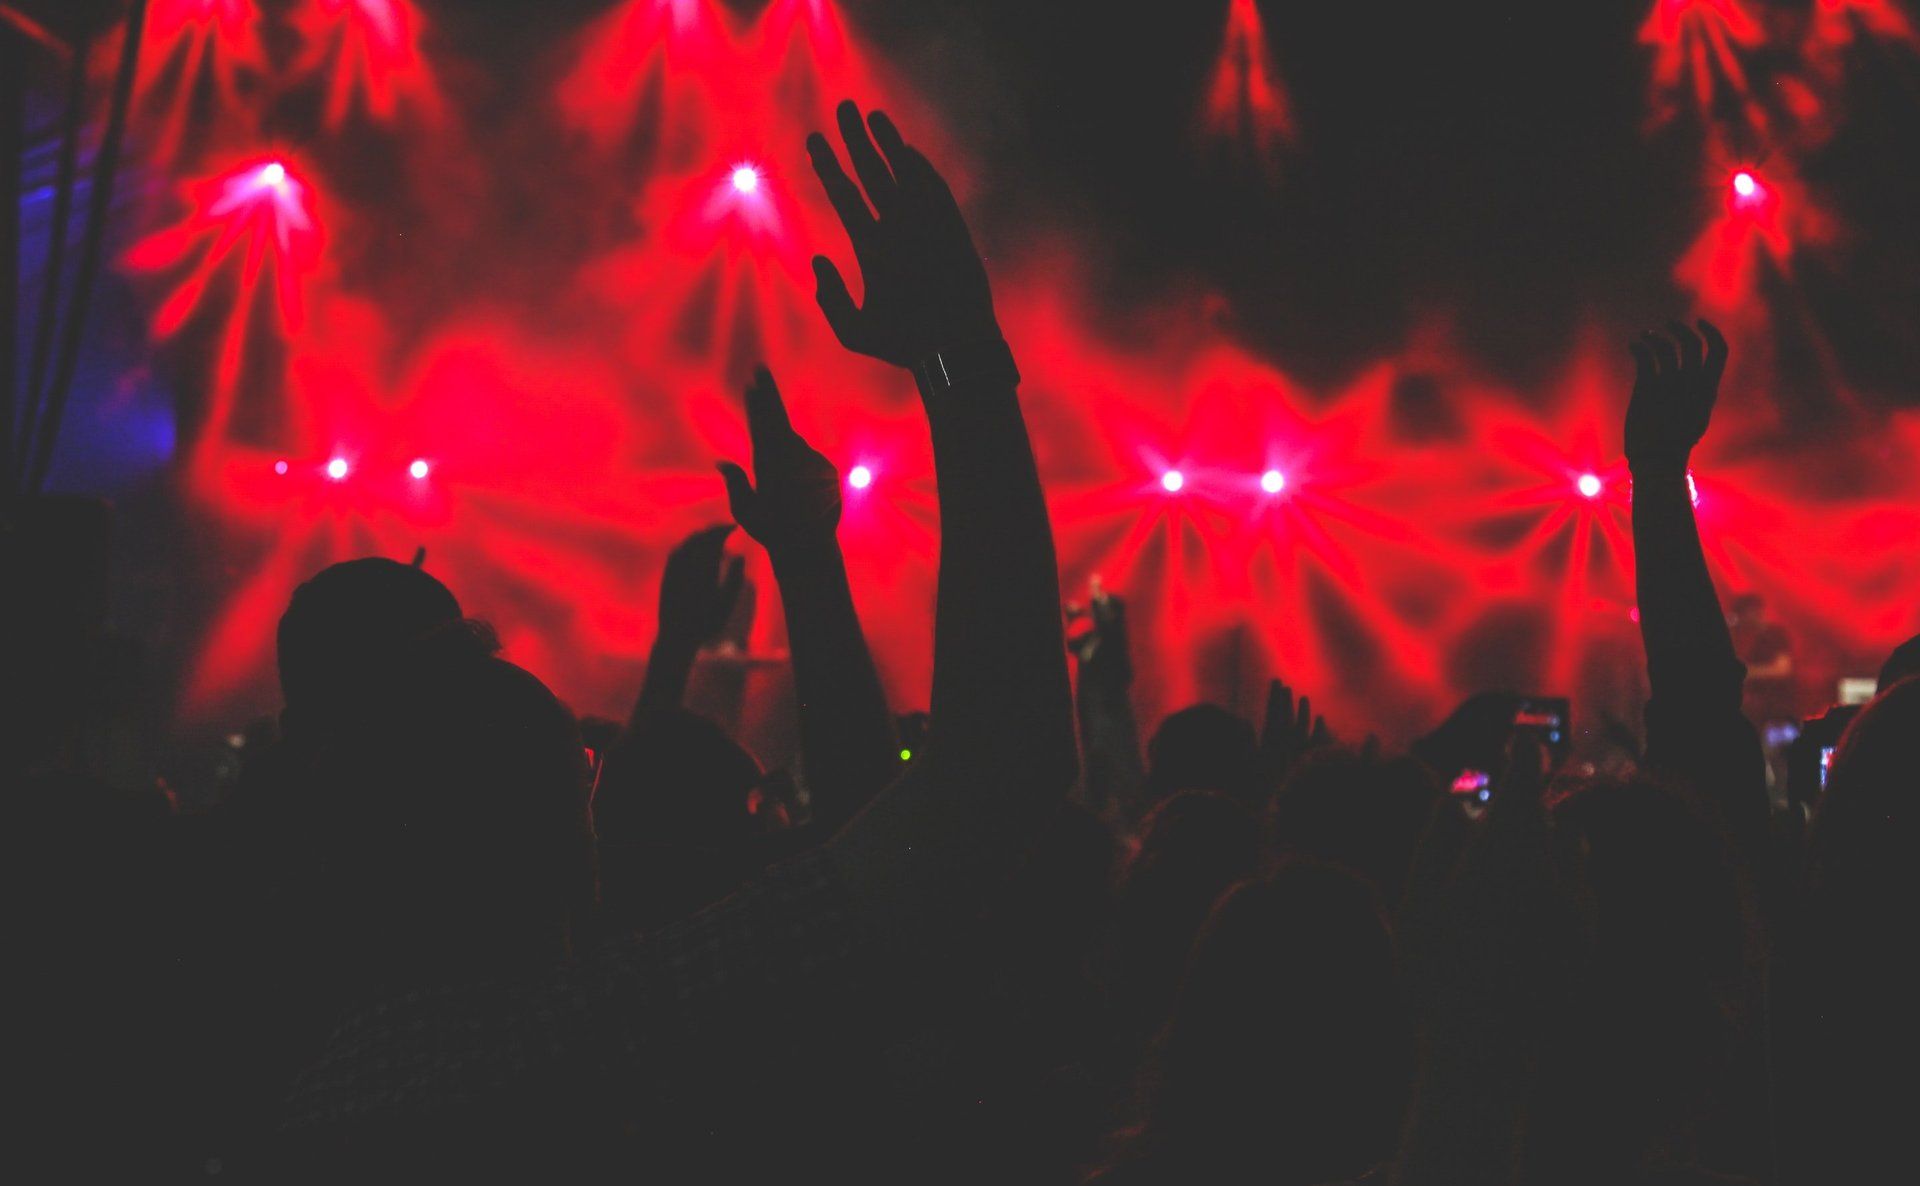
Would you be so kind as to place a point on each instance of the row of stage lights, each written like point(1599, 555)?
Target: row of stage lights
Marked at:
point(861, 477)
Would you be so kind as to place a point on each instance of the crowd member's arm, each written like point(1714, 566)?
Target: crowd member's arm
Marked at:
point(1001, 747)
point(697, 596)
point(1115, 775)
point(846, 731)
point(1695, 729)
point(652, 1009)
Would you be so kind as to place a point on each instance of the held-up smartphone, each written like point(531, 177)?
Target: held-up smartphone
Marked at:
point(1810, 757)
point(1550, 720)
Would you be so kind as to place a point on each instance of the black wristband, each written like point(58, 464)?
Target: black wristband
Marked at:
point(985, 363)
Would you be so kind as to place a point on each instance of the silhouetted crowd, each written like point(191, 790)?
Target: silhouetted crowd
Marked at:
point(442, 930)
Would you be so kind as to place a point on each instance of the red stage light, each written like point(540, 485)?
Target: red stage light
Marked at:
point(859, 477)
point(273, 173)
point(1744, 184)
point(419, 469)
point(746, 178)
point(1172, 481)
point(337, 469)
point(280, 467)
point(1273, 481)
point(1589, 485)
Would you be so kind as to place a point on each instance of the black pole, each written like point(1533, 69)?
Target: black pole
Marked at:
point(54, 399)
point(72, 129)
point(13, 114)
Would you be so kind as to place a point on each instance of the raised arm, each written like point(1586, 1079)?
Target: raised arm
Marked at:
point(1695, 729)
point(846, 731)
point(1001, 747)
point(697, 595)
point(1114, 778)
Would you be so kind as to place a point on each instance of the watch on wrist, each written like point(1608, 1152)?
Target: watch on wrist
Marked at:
point(976, 364)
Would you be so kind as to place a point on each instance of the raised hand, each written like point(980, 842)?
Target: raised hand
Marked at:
point(1102, 647)
point(1675, 384)
point(697, 591)
point(797, 502)
point(925, 287)
point(1290, 731)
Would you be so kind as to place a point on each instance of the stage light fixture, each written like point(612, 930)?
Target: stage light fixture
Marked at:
point(859, 477)
point(1589, 485)
point(1273, 481)
point(1745, 185)
point(337, 469)
point(419, 469)
point(746, 178)
point(273, 174)
point(1172, 481)
point(280, 467)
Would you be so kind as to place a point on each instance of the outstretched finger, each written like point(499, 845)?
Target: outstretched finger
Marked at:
point(836, 303)
point(739, 488)
point(841, 191)
point(1664, 354)
point(1642, 362)
point(1279, 712)
point(917, 175)
point(878, 180)
point(1692, 349)
point(767, 422)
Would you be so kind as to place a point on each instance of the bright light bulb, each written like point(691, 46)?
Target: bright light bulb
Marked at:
point(1588, 485)
point(1744, 184)
point(859, 477)
point(419, 469)
point(746, 178)
point(274, 174)
point(1172, 480)
point(280, 467)
point(337, 469)
point(1273, 481)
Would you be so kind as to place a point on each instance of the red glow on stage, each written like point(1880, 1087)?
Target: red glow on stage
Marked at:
point(369, 52)
point(1246, 102)
point(1697, 48)
point(262, 211)
point(261, 205)
point(566, 413)
point(188, 42)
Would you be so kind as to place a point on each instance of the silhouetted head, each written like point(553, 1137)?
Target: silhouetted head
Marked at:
point(1363, 814)
point(1849, 975)
point(1289, 1048)
point(453, 835)
point(1203, 748)
point(346, 623)
point(1861, 848)
point(1904, 663)
point(678, 779)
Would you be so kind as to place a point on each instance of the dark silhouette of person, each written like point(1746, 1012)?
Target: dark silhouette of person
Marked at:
point(1288, 1055)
